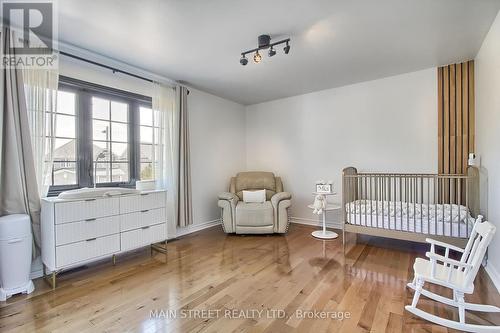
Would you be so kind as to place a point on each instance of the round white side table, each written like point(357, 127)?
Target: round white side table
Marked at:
point(325, 234)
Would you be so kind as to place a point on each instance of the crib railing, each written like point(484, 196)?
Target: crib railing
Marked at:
point(411, 202)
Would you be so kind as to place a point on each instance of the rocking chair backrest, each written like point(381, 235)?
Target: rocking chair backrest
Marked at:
point(471, 240)
point(480, 238)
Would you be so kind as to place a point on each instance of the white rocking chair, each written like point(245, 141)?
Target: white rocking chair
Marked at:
point(456, 275)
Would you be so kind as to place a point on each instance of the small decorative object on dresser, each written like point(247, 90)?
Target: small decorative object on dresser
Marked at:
point(75, 232)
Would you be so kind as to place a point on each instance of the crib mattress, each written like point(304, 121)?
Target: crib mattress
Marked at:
point(442, 220)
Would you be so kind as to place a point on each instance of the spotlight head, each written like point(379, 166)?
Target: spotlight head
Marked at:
point(243, 60)
point(272, 51)
point(286, 48)
point(257, 57)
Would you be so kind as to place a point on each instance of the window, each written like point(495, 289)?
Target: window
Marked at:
point(100, 133)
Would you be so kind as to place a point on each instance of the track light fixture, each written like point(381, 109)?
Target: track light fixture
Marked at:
point(264, 42)
point(272, 52)
point(257, 57)
point(286, 49)
point(243, 60)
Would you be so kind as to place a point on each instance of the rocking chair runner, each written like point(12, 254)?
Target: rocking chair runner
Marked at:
point(456, 275)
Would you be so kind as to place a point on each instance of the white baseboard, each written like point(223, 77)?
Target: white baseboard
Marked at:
point(494, 275)
point(197, 227)
point(315, 222)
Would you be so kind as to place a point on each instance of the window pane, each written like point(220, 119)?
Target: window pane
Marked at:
point(64, 173)
point(103, 173)
point(100, 108)
point(65, 126)
point(120, 172)
point(64, 150)
point(146, 116)
point(119, 112)
point(146, 134)
point(49, 122)
point(48, 177)
point(66, 102)
point(119, 132)
point(146, 171)
point(100, 130)
point(119, 152)
point(99, 147)
point(146, 153)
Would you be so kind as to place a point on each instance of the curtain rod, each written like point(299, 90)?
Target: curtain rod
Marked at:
point(114, 69)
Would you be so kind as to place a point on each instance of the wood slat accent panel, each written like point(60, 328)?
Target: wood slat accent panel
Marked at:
point(456, 124)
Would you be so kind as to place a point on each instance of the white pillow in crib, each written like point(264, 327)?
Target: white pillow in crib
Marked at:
point(254, 196)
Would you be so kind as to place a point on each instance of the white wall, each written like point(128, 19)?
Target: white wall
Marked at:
point(384, 125)
point(217, 128)
point(487, 75)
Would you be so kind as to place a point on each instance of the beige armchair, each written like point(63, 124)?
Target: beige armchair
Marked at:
point(255, 218)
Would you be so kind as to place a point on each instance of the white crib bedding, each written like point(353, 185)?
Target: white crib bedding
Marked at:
point(434, 219)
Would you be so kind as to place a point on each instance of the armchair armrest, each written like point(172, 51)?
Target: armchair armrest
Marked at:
point(228, 196)
point(444, 245)
point(275, 199)
point(445, 260)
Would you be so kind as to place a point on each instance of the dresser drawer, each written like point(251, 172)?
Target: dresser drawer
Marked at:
point(136, 203)
point(90, 228)
point(86, 250)
point(141, 237)
point(141, 219)
point(80, 210)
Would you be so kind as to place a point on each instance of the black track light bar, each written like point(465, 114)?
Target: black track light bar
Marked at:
point(287, 40)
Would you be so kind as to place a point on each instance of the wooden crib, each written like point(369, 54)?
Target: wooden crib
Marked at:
point(410, 206)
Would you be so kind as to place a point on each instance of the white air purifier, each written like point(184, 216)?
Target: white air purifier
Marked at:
point(15, 255)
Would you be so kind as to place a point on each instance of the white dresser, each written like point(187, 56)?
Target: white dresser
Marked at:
point(75, 232)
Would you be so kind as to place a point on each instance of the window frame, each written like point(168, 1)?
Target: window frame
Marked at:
point(84, 135)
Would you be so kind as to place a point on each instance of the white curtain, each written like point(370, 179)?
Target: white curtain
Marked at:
point(166, 147)
point(18, 181)
point(40, 86)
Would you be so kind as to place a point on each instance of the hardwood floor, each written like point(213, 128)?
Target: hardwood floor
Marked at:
point(224, 275)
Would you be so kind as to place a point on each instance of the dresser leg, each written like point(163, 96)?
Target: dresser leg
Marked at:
point(159, 247)
point(50, 279)
point(114, 259)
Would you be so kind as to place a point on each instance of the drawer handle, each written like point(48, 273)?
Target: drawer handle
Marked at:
point(89, 220)
point(16, 240)
point(145, 211)
point(90, 199)
point(144, 194)
point(144, 228)
point(90, 239)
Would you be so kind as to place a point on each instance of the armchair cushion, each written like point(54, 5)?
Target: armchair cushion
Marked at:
point(254, 214)
point(255, 180)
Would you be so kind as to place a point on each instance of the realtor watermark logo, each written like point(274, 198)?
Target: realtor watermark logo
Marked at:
point(206, 314)
point(29, 34)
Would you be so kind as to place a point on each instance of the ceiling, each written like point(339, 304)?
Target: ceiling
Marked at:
point(334, 42)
